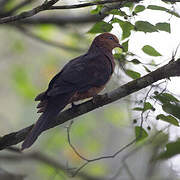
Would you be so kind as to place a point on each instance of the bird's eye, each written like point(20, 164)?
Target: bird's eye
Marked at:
point(111, 38)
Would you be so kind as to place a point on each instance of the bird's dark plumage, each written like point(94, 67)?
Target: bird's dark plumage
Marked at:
point(83, 77)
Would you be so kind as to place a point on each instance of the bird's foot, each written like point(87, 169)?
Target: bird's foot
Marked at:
point(97, 98)
point(74, 106)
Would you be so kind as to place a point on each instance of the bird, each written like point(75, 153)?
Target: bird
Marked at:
point(82, 77)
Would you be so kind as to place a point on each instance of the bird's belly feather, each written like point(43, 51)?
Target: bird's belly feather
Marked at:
point(87, 94)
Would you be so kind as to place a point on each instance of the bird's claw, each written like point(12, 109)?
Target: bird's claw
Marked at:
point(97, 98)
point(74, 106)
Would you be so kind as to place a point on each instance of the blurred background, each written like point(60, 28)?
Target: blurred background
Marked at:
point(34, 49)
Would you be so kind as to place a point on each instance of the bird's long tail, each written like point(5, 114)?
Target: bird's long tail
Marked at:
point(47, 119)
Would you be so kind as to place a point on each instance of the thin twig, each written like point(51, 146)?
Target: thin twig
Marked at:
point(71, 145)
point(156, 86)
point(45, 41)
point(142, 113)
point(95, 159)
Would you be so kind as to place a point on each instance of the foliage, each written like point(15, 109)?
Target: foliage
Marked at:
point(140, 133)
point(103, 131)
point(172, 149)
point(150, 51)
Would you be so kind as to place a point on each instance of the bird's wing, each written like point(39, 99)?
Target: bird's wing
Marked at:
point(80, 74)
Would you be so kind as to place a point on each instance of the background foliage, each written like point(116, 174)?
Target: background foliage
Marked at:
point(33, 50)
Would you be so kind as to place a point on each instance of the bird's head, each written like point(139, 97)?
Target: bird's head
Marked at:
point(107, 41)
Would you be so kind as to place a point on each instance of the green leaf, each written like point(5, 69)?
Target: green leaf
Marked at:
point(148, 106)
point(140, 133)
point(154, 7)
point(150, 51)
point(118, 50)
point(139, 8)
point(97, 10)
point(135, 61)
point(138, 109)
point(170, 119)
point(170, 97)
point(118, 56)
point(145, 27)
point(160, 8)
point(130, 5)
point(171, 150)
point(164, 27)
point(147, 69)
point(166, 98)
point(133, 74)
point(125, 45)
point(173, 109)
point(101, 27)
point(125, 26)
point(118, 12)
point(121, 58)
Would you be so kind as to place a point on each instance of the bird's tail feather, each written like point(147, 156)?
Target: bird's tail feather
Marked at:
point(47, 119)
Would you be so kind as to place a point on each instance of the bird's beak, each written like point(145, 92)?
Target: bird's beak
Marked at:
point(120, 46)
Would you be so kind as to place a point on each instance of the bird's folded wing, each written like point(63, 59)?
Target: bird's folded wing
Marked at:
point(81, 74)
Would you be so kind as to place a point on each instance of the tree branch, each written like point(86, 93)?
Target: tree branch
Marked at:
point(42, 158)
point(26, 14)
point(170, 70)
point(47, 42)
point(66, 19)
point(62, 20)
point(49, 6)
point(17, 7)
point(76, 6)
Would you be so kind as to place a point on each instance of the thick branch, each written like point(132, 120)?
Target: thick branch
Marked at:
point(26, 14)
point(42, 158)
point(75, 6)
point(170, 70)
point(62, 20)
point(16, 8)
point(49, 6)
